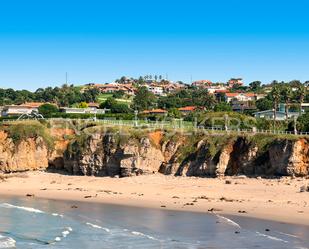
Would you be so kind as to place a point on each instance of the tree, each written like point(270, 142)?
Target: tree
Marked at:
point(222, 107)
point(48, 109)
point(276, 93)
point(303, 122)
point(108, 104)
point(122, 80)
point(144, 99)
point(287, 95)
point(255, 86)
point(301, 93)
point(295, 83)
point(82, 105)
point(118, 94)
point(120, 108)
point(264, 104)
point(141, 80)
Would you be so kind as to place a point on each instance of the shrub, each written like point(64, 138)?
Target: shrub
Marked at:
point(48, 109)
point(28, 129)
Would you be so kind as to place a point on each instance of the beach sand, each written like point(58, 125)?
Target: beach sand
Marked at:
point(270, 199)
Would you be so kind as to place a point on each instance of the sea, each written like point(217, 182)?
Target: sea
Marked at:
point(38, 223)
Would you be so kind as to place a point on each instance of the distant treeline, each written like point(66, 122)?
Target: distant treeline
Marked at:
point(62, 96)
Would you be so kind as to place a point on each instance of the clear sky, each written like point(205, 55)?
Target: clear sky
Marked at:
point(100, 40)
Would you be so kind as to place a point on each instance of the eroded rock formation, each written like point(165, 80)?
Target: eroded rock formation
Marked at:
point(109, 154)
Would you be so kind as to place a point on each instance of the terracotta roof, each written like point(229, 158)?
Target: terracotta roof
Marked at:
point(154, 111)
point(33, 104)
point(187, 108)
point(231, 94)
point(91, 104)
point(250, 94)
point(237, 94)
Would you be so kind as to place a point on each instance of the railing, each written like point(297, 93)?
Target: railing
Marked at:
point(176, 124)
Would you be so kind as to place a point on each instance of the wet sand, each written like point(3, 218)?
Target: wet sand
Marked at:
point(270, 199)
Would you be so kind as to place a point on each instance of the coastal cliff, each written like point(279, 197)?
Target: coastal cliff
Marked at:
point(101, 151)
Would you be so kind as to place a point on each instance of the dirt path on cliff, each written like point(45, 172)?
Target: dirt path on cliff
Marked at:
point(273, 199)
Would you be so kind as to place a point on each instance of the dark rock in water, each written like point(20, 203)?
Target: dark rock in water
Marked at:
point(74, 206)
point(30, 195)
point(267, 230)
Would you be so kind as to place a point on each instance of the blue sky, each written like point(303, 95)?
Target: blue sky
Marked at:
point(99, 41)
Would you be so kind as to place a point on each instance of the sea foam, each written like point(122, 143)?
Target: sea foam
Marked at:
point(271, 237)
point(228, 220)
point(28, 209)
point(98, 227)
point(7, 242)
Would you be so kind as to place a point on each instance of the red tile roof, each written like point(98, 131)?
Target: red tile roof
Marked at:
point(32, 104)
point(221, 91)
point(231, 94)
point(154, 111)
point(237, 94)
point(91, 104)
point(187, 108)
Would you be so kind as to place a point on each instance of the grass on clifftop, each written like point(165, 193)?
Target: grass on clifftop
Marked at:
point(28, 129)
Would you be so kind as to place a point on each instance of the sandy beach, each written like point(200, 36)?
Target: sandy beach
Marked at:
point(271, 199)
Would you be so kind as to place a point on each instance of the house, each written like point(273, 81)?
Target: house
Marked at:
point(235, 81)
point(17, 110)
point(243, 97)
point(113, 87)
point(280, 115)
point(216, 88)
point(93, 106)
point(155, 89)
point(172, 87)
point(201, 83)
point(72, 110)
point(187, 109)
point(238, 106)
point(155, 112)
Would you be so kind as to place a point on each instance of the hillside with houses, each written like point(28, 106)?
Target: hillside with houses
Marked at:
point(275, 105)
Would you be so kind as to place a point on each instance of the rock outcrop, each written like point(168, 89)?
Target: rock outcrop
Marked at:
point(109, 154)
point(29, 154)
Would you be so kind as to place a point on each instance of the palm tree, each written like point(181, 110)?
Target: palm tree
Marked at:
point(276, 93)
point(287, 95)
point(301, 92)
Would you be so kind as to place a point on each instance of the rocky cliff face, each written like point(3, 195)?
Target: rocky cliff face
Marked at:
point(109, 154)
point(103, 155)
point(29, 154)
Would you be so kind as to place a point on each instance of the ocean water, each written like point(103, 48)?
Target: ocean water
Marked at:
point(31, 223)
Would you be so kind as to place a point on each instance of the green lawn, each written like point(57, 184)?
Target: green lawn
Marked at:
point(104, 96)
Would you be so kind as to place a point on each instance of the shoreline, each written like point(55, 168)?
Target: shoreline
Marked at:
point(267, 199)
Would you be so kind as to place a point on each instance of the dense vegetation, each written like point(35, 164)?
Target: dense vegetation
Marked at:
point(62, 96)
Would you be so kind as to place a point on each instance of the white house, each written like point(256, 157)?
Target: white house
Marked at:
point(72, 110)
point(157, 90)
point(280, 115)
point(243, 97)
point(17, 110)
